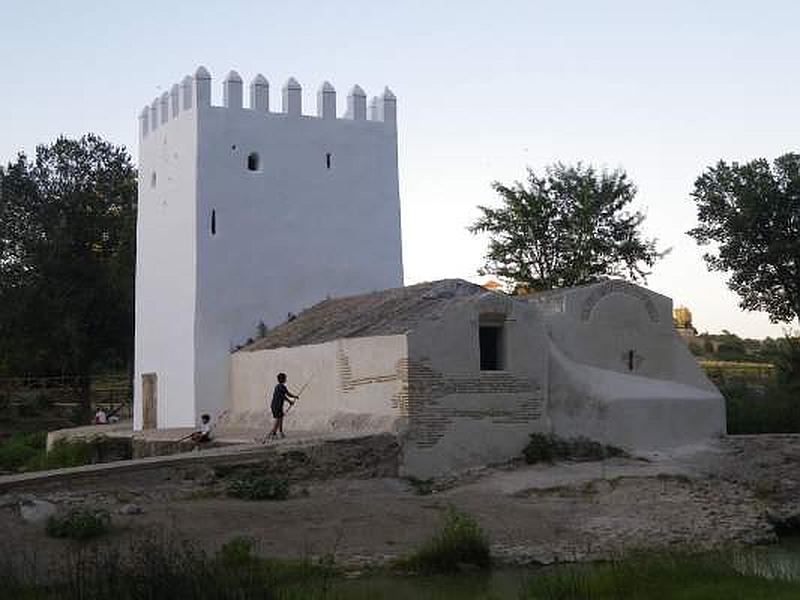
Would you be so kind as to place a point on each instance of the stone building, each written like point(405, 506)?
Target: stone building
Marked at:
point(463, 374)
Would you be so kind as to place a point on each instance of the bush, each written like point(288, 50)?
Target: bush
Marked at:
point(259, 488)
point(459, 543)
point(774, 409)
point(237, 552)
point(21, 450)
point(787, 360)
point(27, 452)
point(548, 447)
point(421, 487)
point(65, 453)
point(79, 524)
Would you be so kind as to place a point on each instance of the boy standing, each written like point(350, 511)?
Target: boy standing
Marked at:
point(280, 396)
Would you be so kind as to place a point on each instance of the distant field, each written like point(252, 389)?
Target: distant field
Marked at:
point(756, 373)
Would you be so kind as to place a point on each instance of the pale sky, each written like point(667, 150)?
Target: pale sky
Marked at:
point(484, 89)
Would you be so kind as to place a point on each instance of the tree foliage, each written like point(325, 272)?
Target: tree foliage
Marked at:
point(571, 226)
point(749, 215)
point(67, 258)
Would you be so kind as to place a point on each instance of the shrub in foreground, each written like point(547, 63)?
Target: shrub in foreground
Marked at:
point(259, 488)
point(79, 524)
point(20, 450)
point(69, 453)
point(458, 544)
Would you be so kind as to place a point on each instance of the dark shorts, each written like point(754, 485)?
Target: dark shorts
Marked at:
point(277, 412)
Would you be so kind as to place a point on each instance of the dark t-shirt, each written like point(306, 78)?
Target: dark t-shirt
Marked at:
point(279, 396)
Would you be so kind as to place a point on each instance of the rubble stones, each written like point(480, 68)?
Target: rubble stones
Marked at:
point(36, 511)
point(130, 509)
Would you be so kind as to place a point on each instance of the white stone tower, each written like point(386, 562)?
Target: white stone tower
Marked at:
point(245, 215)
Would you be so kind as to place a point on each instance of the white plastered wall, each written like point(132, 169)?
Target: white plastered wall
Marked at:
point(664, 401)
point(348, 385)
point(165, 268)
point(460, 416)
point(291, 233)
point(630, 411)
point(599, 325)
point(319, 217)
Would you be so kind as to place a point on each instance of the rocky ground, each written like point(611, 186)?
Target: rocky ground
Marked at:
point(735, 491)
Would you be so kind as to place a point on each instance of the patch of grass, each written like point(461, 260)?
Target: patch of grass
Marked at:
point(259, 488)
point(459, 544)
point(658, 577)
point(237, 552)
point(546, 447)
point(79, 524)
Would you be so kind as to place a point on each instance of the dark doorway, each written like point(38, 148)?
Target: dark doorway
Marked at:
point(491, 342)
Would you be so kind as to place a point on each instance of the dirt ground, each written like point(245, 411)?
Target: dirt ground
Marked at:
point(733, 491)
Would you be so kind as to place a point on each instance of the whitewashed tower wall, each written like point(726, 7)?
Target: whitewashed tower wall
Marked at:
point(253, 214)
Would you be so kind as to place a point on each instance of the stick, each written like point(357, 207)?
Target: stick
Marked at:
point(302, 389)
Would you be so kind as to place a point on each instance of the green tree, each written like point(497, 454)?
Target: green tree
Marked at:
point(67, 259)
point(749, 216)
point(570, 227)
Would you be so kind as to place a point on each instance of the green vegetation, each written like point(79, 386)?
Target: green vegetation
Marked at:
point(72, 453)
point(662, 578)
point(571, 226)
point(747, 219)
point(157, 568)
point(729, 347)
point(253, 487)
point(27, 452)
point(67, 258)
point(545, 447)
point(79, 524)
point(459, 544)
point(766, 407)
point(774, 409)
point(21, 451)
point(759, 399)
point(421, 487)
point(162, 568)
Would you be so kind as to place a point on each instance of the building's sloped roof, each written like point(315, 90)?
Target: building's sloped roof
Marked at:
point(388, 312)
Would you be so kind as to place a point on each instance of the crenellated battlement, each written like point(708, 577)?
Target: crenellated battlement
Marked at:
point(194, 93)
